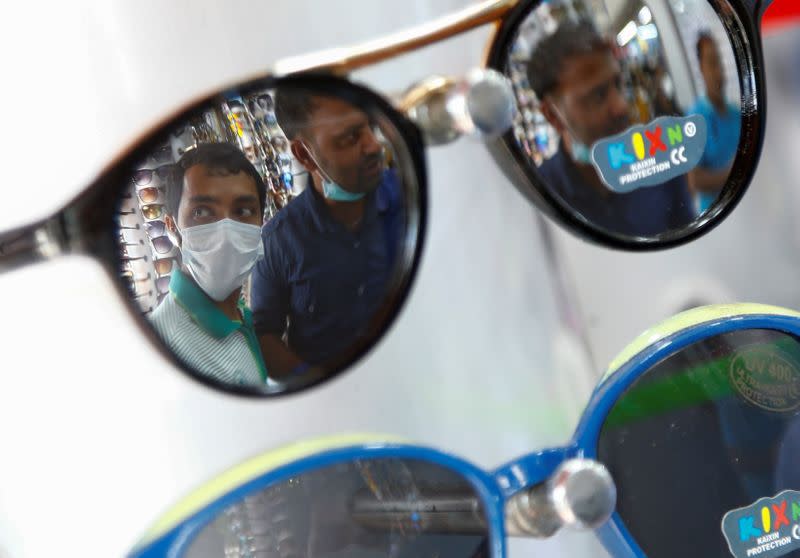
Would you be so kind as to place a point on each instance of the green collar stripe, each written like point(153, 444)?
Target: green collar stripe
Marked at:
point(206, 314)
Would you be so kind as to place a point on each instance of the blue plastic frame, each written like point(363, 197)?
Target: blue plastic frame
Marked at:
point(495, 487)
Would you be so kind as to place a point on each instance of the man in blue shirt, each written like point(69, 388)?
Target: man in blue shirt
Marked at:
point(578, 82)
point(723, 121)
point(330, 253)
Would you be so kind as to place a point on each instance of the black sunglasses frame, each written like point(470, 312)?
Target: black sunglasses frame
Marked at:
point(740, 20)
point(89, 224)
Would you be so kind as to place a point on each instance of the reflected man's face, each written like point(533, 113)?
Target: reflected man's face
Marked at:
point(590, 98)
point(210, 196)
point(712, 70)
point(344, 145)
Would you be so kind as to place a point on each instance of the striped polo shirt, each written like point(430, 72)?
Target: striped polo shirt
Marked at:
point(205, 339)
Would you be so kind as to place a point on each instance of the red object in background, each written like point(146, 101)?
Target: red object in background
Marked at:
point(781, 13)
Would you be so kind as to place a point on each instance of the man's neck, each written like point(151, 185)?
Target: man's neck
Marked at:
point(230, 306)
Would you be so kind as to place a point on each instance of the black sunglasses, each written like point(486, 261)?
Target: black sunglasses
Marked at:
point(329, 284)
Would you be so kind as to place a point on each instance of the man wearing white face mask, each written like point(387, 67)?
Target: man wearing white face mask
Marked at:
point(214, 212)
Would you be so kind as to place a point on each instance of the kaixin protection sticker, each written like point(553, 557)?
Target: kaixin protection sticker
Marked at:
point(768, 528)
point(649, 155)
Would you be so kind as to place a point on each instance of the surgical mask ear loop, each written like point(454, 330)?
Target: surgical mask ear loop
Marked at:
point(332, 190)
point(580, 152)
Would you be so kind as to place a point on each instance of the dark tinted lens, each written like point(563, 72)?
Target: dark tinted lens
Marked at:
point(154, 228)
point(712, 428)
point(148, 195)
point(162, 244)
point(162, 284)
point(309, 331)
point(369, 508)
point(143, 177)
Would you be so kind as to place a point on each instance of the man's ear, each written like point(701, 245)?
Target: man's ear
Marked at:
point(551, 114)
point(302, 155)
point(172, 230)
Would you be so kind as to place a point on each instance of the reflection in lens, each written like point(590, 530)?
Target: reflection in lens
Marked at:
point(154, 228)
point(163, 266)
point(585, 76)
point(148, 195)
point(162, 284)
point(366, 508)
point(715, 423)
point(162, 244)
point(153, 211)
point(273, 285)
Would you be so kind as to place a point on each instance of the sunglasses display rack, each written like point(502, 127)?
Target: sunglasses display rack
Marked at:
point(138, 270)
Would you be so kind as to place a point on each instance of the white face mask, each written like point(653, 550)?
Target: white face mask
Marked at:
point(221, 255)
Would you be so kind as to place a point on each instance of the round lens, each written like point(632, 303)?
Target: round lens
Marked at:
point(293, 332)
point(369, 507)
point(717, 424)
point(629, 120)
point(153, 211)
point(148, 195)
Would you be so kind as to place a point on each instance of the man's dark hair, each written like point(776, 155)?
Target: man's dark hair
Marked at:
point(293, 108)
point(219, 158)
point(702, 37)
point(550, 54)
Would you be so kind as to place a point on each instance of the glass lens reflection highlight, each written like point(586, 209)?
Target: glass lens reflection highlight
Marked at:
point(366, 508)
point(273, 226)
point(721, 420)
point(587, 74)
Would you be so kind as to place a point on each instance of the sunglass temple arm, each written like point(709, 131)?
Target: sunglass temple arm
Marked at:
point(32, 243)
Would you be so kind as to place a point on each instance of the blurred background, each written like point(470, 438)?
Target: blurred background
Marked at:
point(509, 325)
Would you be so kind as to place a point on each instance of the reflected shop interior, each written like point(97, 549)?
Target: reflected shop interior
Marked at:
point(629, 111)
point(265, 238)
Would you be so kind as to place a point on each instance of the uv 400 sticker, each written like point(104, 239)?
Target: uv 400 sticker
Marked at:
point(768, 528)
point(651, 154)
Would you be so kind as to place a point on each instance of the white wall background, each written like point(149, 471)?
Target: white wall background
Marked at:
point(99, 435)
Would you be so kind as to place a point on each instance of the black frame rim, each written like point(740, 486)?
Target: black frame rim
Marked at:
point(90, 224)
point(742, 31)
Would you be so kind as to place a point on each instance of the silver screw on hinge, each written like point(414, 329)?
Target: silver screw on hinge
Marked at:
point(581, 493)
point(481, 104)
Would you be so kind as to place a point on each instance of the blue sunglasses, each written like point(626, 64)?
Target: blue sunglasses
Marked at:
point(689, 447)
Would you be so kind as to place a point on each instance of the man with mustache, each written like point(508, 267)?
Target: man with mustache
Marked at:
point(578, 81)
point(329, 254)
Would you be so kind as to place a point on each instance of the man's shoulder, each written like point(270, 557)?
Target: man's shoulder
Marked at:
point(294, 214)
point(701, 106)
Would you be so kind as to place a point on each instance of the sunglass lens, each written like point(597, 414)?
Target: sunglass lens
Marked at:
point(163, 266)
point(148, 195)
point(364, 508)
point(162, 244)
point(162, 284)
point(143, 177)
point(154, 228)
point(712, 428)
point(152, 211)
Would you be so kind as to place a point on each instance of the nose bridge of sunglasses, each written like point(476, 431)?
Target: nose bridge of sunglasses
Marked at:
point(579, 493)
point(480, 104)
